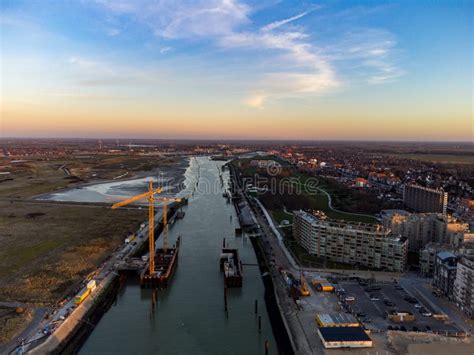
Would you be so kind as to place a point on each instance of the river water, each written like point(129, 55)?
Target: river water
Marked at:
point(189, 316)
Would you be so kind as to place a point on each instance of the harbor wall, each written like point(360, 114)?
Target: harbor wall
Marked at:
point(75, 329)
point(279, 328)
point(284, 344)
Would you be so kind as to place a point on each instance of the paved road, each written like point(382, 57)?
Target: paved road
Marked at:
point(31, 328)
point(417, 285)
point(272, 242)
point(339, 211)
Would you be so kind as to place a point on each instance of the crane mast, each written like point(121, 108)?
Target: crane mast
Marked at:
point(150, 196)
point(151, 229)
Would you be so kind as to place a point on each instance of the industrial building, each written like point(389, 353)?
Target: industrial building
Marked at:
point(464, 285)
point(371, 246)
point(344, 337)
point(336, 320)
point(423, 199)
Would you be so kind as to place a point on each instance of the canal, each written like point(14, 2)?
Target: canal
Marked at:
point(189, 317)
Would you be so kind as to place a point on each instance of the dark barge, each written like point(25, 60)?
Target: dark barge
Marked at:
point(231, 265)
point(165, 265)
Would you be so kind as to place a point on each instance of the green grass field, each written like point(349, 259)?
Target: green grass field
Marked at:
point(48, 248)
point(280, 215)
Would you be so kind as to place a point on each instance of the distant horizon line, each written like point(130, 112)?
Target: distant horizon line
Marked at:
point(294, 140)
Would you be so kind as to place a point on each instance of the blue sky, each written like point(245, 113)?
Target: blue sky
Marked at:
point(296, 63)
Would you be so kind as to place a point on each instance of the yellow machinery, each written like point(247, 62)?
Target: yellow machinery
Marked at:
point(304, 289)
point(150, 196)
point(323, 286)
point(82, 296)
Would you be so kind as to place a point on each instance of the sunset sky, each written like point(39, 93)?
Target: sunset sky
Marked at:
point(237, 69)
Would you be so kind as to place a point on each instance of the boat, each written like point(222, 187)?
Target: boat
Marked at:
point(165, 265)
point(231, 266)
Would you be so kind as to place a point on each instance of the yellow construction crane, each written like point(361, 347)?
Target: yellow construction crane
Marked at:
point(150, 196)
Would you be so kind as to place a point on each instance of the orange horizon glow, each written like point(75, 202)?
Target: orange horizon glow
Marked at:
point(234, 70)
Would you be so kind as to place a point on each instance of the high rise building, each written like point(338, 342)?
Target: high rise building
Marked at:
point(429, 252)
point(423, 228)
point(423, 199)
point(445, 272)
point(464, 285)
point(371, 246)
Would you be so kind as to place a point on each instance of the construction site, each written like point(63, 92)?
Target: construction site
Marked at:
point(44, 272)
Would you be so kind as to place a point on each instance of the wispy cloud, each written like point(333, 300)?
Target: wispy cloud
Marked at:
point(112, 32)
point(82, 63)
point(91, 72)
point(183, 19)
point(373, 51)
point(300, 67)
point(87, 96)
point(276, 24)
point(304, 71)
point(255, 101)
point(163, 50)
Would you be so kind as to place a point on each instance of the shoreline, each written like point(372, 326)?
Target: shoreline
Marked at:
point(280, 329)
point(176, 171)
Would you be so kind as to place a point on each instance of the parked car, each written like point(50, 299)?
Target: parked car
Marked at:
point(373, 298)
point(419, 306)
point(349, 299)
point(427, 314)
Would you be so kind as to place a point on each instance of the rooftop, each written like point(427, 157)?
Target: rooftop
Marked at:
point(443, 255)
point(336, 319)
point(343, 334)
point(315, 220)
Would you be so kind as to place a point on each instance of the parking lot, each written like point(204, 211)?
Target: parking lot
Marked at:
point(372, 303)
